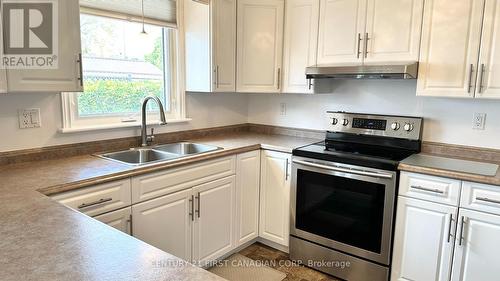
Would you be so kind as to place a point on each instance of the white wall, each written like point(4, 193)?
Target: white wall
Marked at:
point(206, 110)
point(446, 120)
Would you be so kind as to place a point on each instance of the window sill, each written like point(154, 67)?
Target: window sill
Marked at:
point(117, 126)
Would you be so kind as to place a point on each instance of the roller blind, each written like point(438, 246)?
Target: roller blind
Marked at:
point(157, 12)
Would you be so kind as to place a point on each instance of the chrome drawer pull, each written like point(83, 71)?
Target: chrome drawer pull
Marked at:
point(484, 199)
point(100, 201)
point(427, 189)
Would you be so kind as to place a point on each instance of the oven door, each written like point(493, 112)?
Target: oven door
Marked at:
point(343, 207)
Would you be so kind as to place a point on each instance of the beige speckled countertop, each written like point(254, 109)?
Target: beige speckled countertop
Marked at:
point(41, 239)
point(448, 172)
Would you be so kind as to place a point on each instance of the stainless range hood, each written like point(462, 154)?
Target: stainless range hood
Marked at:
point(399, 70)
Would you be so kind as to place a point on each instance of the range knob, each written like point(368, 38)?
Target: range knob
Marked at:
point(345, 122)
point(334, 121)
point(395, 126)
point(408, 127)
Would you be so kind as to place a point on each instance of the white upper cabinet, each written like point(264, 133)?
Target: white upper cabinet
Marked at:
point(393, 29)
point(224, 45)
point(300, 44)
point(412, 241)
point(68, 76)
point(477, 247)
point(450, 48)
point(260, 45)
point(488, 79)
point(341, 31)
point(210, 45)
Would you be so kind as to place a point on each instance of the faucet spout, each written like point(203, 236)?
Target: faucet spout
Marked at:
point(147, 140)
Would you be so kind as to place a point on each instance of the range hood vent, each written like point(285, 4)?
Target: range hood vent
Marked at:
point(408, 70)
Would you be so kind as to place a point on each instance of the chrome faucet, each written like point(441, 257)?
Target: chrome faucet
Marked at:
point(148, 139)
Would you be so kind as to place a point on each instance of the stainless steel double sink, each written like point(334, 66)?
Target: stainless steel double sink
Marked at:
point(159, 153)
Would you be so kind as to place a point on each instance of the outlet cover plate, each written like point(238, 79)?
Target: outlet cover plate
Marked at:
point(29, 118)
point(478, 121)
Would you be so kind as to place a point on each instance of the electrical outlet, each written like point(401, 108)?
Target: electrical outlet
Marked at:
point(29, 118)
point(282, 109)
point(479, 120)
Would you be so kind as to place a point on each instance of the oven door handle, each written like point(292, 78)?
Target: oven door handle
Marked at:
point(343, 170)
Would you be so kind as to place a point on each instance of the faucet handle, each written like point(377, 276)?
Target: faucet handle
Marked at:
point(150, 139)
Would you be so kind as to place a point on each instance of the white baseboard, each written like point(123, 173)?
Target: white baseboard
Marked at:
point(273, 245)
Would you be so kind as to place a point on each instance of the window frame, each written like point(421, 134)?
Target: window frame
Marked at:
point(175, 113)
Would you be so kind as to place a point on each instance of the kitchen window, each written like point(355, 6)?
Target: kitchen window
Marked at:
point(122, 65)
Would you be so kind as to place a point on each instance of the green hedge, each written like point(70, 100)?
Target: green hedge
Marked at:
point(116, 96)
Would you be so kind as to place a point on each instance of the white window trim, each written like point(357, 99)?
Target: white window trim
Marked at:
point(71, 123)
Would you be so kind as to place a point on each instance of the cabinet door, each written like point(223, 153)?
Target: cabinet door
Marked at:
point(450, 48)
point(198, 60)
point(67, 77)
point(274, 222)
point(260, 45)
point(393, 28)
point(166, 223)
point(119, 219)
point(214, 223)
point(341, 31)
point(224, 45)
point(300, 44)
point(412, 241)
point(247, 196)
point(488, 81)
point(476, 257)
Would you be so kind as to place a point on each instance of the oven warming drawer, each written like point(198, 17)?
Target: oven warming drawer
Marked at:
point(359, 269)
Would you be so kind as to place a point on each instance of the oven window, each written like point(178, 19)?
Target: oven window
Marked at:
point(341, 209)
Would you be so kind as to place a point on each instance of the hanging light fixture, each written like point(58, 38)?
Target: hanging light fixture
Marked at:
point(143, 32)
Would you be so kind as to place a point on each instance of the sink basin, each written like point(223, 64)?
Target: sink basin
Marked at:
point(139, 156)
point(185, 148)
point(156, 154)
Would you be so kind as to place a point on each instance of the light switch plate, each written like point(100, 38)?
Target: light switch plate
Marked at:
point(479, 120)
point(29, 118)
point(282, 109)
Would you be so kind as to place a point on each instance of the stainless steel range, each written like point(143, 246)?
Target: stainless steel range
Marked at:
point(344, 191)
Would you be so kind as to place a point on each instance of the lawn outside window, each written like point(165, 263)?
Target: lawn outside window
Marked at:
point(122, 66)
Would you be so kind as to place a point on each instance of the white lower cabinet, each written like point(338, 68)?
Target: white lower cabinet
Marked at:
point(166, 223)
point(214, 220)
point(247, 196)
point(423, 242)
point(274, 224)
point(477, 247)
point(428, 234)
point(120, 219)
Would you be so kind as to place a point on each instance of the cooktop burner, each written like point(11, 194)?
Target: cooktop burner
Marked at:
point(367, 140)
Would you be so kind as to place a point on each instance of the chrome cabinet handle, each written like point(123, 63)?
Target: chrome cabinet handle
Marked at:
point(461, 237)
point(366, 45)
point(471, 71)
point(343, 170)
point(359, 45)
point(217, 77)
point(198, 211)
point(130, 225)
point(80, 63)
point(427, 189)
point(449, 228)
point(484, 199)
point(98, 202)
point(286, 170)
point(279, 78)
point(191, 203)
point(481, 78)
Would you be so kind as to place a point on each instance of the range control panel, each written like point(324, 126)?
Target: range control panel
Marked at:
point(377, 125)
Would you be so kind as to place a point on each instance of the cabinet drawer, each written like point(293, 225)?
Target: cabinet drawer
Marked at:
point(99, 199)
point(435, 189)
point(162, 183)
point(481, 197)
